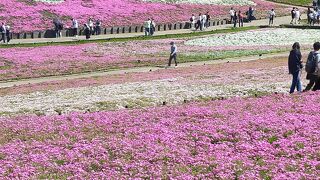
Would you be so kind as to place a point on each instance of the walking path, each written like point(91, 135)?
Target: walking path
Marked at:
point(278, 21)
point(134, 70)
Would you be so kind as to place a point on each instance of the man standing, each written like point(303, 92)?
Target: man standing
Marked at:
point(8, 34)
point(297, 16)
point(272, 15)
point(293, 14)
point(98, 27)
point(204, 20)
point(313, 68)
point(147, 26)
point(152, 27)
point(3, 31)
point(207, 19)
point(75, 27)
point(231, 12)
point(90, 24)
point(199, 21)
point(173, 54)
point(193, 22)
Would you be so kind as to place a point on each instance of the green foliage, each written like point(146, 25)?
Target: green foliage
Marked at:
point(272, 139)
point(294, 2)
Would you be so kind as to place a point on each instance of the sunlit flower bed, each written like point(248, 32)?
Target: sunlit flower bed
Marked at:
point(274, 137)
point(140, 90)
point(262, 37)
point(30, 15)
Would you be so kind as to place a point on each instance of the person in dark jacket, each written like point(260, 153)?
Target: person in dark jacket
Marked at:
point(295, 66)
point(87, 31)
point(3, 31)
point(314, 81)
point(235, 20)
point(8, 33)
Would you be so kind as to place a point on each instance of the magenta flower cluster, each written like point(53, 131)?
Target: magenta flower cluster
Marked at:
point(273, 137)
point(28, 15)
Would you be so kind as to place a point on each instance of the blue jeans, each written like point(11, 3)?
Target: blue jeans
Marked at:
point(296, 82)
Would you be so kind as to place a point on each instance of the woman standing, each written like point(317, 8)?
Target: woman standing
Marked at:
point(87, 31)
point(295, 66)
point(240, 17)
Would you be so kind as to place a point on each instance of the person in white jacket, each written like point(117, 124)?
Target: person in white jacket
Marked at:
point(297, 16)
point(75, 27)
point(193, 22)
point(272, 15)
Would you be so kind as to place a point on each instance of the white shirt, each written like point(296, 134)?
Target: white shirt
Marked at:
point(75, 24)
point(4, 29)
point(272, 14)
point(297, 15)
point(147, 24)
point(204, 18)
point(90, 24)
point(200, 18)
point(231, 12)
point(193, 19)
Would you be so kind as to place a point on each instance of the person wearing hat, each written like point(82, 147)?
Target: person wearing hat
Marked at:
point(173, 54)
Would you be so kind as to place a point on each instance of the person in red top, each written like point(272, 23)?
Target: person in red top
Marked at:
point(240, 17)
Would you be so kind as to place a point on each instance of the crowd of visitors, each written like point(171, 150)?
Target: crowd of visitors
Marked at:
point(237, 17)
point(89, 28)
point(201, 22)
point(312, 68)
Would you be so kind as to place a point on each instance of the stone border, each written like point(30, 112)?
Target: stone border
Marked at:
point(113, 30)
point(116, 30)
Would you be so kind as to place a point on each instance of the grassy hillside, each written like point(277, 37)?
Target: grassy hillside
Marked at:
point(295, 2)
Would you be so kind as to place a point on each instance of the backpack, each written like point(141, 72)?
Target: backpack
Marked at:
point(191, 19)
point(311, 63)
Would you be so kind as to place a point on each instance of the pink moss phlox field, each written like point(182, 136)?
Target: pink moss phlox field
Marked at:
point(276, 137)
point(28, 15)
point(29, 62)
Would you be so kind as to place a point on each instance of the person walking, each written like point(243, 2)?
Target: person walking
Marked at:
point(199, 22)
point(240, 18)
point(173, 54)
point(98, 27)
point(313, 68)
point(3, 31)
point(232, 14)
point(90, 25)
point(235, 20)
point(250, 14)
point(314, 4)
point(87, 31)
point(272, 15)
point(75, 27)
point(193, 22)
point(58, 27)
point(293, 14)
point(295, 66)
point(8, 34)
point(203, 22)
point(152, 27)
point(207, 19)
point(297, 16)
point(308, 15)
point(147, 26)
